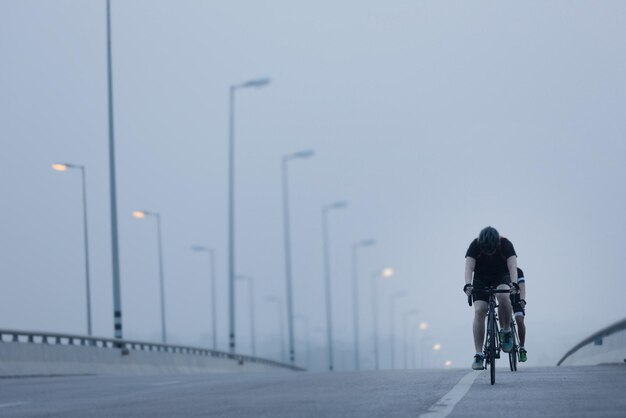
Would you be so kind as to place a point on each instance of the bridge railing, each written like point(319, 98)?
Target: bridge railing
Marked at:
point(126, 346)
point(604, 346)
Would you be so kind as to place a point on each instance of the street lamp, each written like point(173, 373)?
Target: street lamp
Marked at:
point(64, 167)
point(211, 253)
point(252, 313)
point(423, 326)
point(436, 350)
point(355, 295)
point(385, 273)
point(404, 329)
point(325, 210)
point(231, 203)
point(307, 342)
point(115, 253)
point(141, 214)
point(392, 327)
point(285, 172)
point(281, 321)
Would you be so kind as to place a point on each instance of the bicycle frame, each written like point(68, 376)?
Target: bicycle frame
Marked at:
point(491, 348)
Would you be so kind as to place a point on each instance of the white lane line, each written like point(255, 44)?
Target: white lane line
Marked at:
point(166, 383)
point(444, 406)
point(7, 405)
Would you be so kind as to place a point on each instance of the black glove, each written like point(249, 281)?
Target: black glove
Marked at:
point(522, 303)
point(468, 289)
point(514, 288)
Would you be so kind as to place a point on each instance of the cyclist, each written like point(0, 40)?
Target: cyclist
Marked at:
point(519, 305)
point(490, 260)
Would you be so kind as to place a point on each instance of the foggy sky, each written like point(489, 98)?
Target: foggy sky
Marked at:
point(433, 119)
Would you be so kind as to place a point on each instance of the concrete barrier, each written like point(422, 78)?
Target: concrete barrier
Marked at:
point(30, 353)
point(605, 346)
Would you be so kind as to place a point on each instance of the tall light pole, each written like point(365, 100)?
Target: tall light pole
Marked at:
point(376, 275)
point(281, 321)
point(405, 318)
point(392, 327)
point(211, 253)
point(115, 254)
point(329, 322)
point(231, 203)
point(141, 214)
point(423, 326)
point(436, 350)
point(307, 342)
point(285, 172)
point(252, 311)
point(355, 295)
point(65, 167)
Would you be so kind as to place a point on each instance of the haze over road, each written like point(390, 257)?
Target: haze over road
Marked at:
point(531, 392)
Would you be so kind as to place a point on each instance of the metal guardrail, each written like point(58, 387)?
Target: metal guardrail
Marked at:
point(36, 337)
point(611, 329)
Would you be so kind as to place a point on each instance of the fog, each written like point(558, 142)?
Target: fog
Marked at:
point(432, 119)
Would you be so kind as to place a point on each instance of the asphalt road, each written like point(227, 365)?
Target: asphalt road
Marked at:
point(598, 391)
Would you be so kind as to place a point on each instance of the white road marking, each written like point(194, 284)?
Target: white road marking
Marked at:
point(7, 405)
point(166, 383)
point(444, 406)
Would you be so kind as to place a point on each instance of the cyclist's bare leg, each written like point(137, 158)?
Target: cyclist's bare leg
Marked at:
point(480, 312)
point(504, 308)
point(521, 329)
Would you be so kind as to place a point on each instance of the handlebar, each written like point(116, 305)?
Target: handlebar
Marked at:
point(487, 291)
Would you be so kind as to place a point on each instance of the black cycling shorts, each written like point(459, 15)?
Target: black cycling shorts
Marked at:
point(517, 306)
point(482, 282)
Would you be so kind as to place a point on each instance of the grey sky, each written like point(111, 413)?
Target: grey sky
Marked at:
point(434, 119)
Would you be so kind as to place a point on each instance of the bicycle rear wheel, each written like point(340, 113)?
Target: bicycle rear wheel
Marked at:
point(513, 359)
point(513, 355)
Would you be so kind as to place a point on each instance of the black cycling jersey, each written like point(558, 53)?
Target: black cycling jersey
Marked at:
point(491, 265)
point(520, 276)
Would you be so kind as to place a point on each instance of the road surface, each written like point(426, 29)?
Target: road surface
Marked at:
point(598, 391)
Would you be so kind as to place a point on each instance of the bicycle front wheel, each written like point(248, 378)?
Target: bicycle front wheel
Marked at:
point(492, 349)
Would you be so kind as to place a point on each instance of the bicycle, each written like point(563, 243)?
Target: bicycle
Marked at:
point(491, 350)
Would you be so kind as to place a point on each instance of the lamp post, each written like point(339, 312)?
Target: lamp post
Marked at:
point(355, 295)
point(307, 342)
point(392, 327)
point(115, 254)
point(141, 214)
point(436, 350)
point(281, 321)
point(405, 317)
point(65, 167)
point(423, 326)
point(285, 175)
point(329, 325)
point(211, 253)
point(231, 203)
point(252, 313)
point(385, 273)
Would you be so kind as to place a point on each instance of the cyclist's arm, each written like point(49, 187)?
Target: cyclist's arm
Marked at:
point(522, 290)
point(511, 262)
point(470, 263)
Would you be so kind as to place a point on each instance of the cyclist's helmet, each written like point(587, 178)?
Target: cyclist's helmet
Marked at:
point(488, 240)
